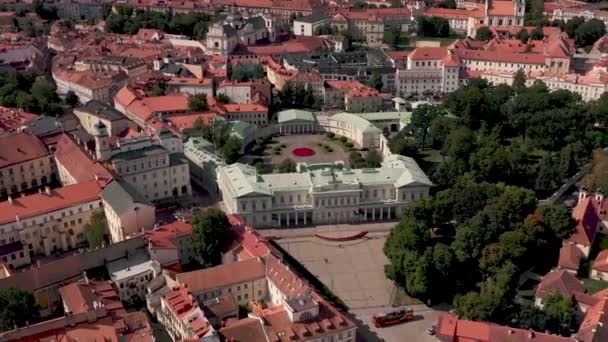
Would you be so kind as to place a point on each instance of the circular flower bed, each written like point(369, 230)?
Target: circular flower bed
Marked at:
point(303, 152)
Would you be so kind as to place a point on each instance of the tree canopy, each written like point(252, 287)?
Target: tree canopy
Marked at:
point(209, 230)
point(433, 27)
point(17, 308)
point(483, 33)
point(194, 25)
point(244, 72)
point(231, 150)
point(198, 103)
point(287, 165)
point(95, 229)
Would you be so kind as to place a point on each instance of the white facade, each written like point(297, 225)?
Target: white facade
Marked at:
point(322, 194)
point(131, 274)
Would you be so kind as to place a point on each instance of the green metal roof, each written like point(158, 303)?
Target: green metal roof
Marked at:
point(377, 116)
point(140, 153)
point(358, 122)
point(242, 129)
point(295, 114)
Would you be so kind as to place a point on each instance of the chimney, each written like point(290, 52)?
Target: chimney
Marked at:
point(530, 334)
point(48, 191)
point(10, 199)
point(582, 194)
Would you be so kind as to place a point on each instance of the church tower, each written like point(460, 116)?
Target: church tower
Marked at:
point(102, 146)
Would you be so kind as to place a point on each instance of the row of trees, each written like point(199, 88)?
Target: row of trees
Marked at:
point(219, 134)
point(296, 95)
point(126, 20)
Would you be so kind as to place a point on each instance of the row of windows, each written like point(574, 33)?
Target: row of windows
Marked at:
point(51, 217)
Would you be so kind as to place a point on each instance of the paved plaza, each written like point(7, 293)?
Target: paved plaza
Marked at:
point(354, 271)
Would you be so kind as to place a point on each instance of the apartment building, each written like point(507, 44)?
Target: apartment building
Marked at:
point(130, 66)
point(131, 274)
point(308, 25)
point(93, 112)
point(140, 108)
point(245, 281)
point(363, 99)
point(146, 164)
point(257, 91)
point(429, 69)
point(74, 165)
point(183, 317)
point(88, 85)
point(127, 211)
point(51, 221)
point(322, 194)
point(369, 24)
point(169, 244)
point(25, 163)
point(255, 114)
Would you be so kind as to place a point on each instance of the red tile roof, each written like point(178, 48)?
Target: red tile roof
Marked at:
point(594, 327)
point(11, 118)
point(77, 163)
point(570, 257)
point(452, 329)
point(329, 321)
point(244, 330)
point(223, 275)
point(284, 278)
point(246, 238)
point(343, 85)
point(293, 46)
point(20, 148)
point(559, 282)
point(185, 308)
point(601, 261)
point(186, 121)
point(501, 8)
point(162, 237)
point(587, 219)
point(145, 108)
point(428, 53)
point(447, 13)
point(38, 204)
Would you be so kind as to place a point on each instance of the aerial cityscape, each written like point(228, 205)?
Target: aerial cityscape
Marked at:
point(303, 170)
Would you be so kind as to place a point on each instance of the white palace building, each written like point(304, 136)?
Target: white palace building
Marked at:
point(322, 193)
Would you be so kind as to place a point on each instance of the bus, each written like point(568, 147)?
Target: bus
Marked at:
point(394, 316)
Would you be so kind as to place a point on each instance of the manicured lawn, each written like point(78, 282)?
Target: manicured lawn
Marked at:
point(594, 286)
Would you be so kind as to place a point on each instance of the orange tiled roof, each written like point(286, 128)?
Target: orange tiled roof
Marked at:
point(601, 261)
point(77, 163)
point(223, 275)
point(501, 8)
point(11, 118)
point(595, 323)
point(569, 257)
point(559, 282)
point(428, 53)
point(162, 237)
point(38, 204)
point(19, 148)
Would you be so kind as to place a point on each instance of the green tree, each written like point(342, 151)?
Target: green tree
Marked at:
point(448, 4)
point(401, 143)
point(460, 143)
point(396, 4)
point(198, 103)
point(95, 229)
point(559, 313)
point(537, 34)
point(287, 166)
point(375, 81)
point(231, 150)
point(483, 33)
point(433, 27)
point(223, 98)
point(393, 37)
point(519, 81)
point(589, 32)
point(244, 72)
point(359, 4)
point(422, 117)
point(71, 98)
point(373, 159)
point(523, 35)
point(441, 126)
point(210, 228)
point(572, 26)
point(17, 308)
point(558, 219)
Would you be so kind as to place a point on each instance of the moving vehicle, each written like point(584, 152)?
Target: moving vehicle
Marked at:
point(394, 316)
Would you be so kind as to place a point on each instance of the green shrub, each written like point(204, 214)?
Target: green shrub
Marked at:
point(348, 145)
point(330, 135)
point(283, 145)
point(342, 139)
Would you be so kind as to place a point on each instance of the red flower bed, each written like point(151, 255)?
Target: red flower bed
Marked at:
point(303, 152)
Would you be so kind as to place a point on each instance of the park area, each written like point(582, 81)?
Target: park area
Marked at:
point(283, 153)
